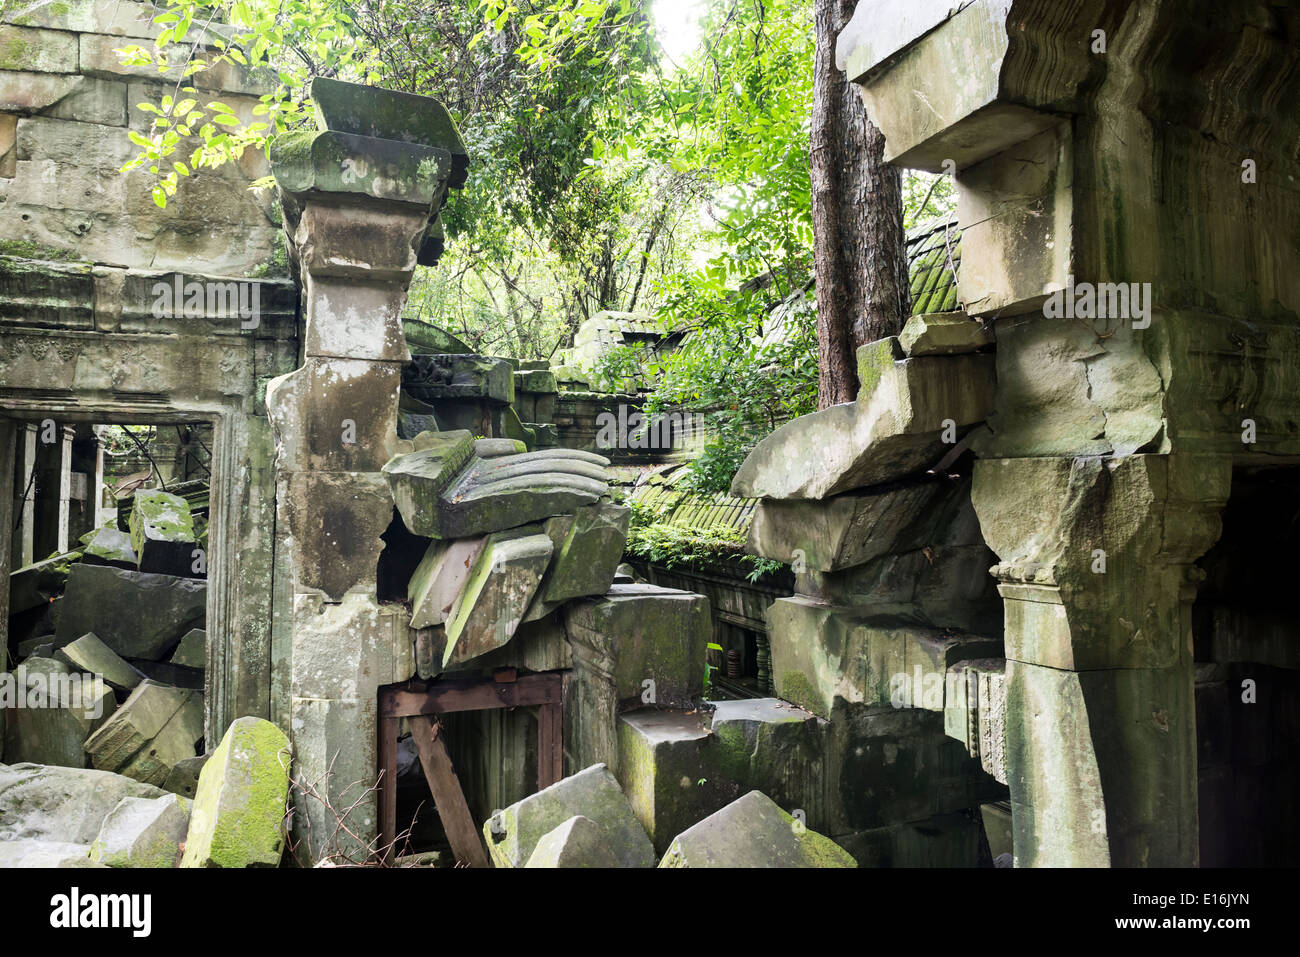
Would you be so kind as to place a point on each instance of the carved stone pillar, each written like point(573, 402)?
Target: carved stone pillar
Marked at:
point(360, 198)
point(1097, 580)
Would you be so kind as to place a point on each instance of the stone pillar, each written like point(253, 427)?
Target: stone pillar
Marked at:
point(24, 495)
point(359, 197)
point(10, 431)
point(1097, 580)
point(53, 488)
point(96, 490)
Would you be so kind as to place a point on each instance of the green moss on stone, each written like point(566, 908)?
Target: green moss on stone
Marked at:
point(25, 249)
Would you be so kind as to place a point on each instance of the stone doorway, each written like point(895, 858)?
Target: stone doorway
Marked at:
point(1247, 653)
point(43, 513)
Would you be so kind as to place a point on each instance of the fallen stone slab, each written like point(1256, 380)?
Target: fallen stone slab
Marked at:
point(43, 803)
point(192, 652)
point(143, 832)
point(825, 655)
point(162, 533)
point(42, 646)
point(155, 728)
point(166, 673)
point(842, 531)
point(184, 776)
point(578, 842)
point(944, 334)
point(586, 560)
point(136, 614)
point(418, 478)
point(907, 415)
point(53, 712)
point(34, 585)
point(498, 591)
point(90, 655)
point(514, 833)
point(238, 815)
point(753, 831)
point(512, 490)
point(439, 579)
point(30, 854)
point(108, 546)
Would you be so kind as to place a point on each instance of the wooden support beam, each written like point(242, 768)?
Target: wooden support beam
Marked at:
point(470, 694)
point(448, 797)
point(550, 745)
point(389, 728)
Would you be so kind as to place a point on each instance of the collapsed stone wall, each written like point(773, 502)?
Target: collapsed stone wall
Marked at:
point(87, 338)
point(1119, 195)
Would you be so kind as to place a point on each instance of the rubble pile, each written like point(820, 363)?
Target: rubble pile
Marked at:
point(52, 816)
point(108, 646)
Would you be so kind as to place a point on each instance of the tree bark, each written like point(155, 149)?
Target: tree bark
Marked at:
point(859, 245)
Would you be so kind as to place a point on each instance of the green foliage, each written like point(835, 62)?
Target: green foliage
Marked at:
point(286, 42)
point(652, 539)
point(748, 371)
point(926, 196)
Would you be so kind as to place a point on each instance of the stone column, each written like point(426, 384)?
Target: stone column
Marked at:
point(359, 197)
point(24, 495)
point(53, 488)
point(1097, 580)
point(10, 431)
point(96, 490)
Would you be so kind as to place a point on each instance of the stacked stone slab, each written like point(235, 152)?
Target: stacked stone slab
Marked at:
point(891, 582)
point(513, 539)
point(753, 831)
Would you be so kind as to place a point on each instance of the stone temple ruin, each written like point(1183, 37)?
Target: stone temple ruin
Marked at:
point(1035, 612)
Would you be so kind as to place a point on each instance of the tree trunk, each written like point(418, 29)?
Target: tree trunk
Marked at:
point(859, 247)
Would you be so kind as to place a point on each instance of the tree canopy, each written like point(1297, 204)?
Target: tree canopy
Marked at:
point(605, 175)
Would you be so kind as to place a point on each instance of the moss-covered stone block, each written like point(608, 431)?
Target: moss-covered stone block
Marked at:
point(514, 833)
point(143, 832)
point(496, 594)
point(238, 816)
point(585, 561)
point(666, 772)
point(753, 831)
point(578, 842)
point(162, 533)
